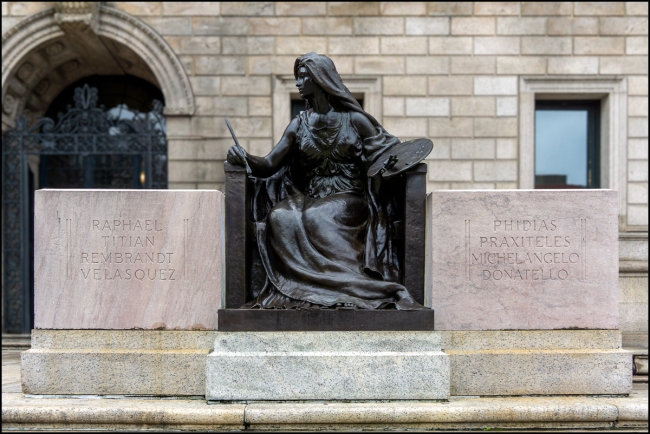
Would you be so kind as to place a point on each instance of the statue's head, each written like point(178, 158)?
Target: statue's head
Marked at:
point(315, 72)
point(310, 71)
point(307, 87)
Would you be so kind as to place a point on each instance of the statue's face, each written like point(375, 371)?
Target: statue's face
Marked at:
point(305, 84)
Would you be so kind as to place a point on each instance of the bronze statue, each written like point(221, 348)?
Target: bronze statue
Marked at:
point(324, 226)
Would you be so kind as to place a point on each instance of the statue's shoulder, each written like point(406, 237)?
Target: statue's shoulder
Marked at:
point(362, 124)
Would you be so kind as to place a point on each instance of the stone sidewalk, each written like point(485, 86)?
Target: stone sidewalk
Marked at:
point(462, 413)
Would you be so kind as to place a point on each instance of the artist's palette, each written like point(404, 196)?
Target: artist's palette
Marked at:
point(408, 155)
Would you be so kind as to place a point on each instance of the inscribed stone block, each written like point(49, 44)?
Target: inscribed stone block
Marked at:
point(125, 259)
point(524, 259)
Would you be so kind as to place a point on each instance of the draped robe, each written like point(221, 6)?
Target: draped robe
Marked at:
point(324, 230)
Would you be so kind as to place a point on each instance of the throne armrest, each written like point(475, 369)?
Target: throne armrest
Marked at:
point(237, 218)
point(415, 207)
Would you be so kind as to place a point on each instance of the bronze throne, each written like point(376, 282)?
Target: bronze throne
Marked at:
point(245, 274)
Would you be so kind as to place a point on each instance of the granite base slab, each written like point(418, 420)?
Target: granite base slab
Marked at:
point(272, 366)
point(538, 362)
point(116, 362)
point(540, 372)
point(281, 320)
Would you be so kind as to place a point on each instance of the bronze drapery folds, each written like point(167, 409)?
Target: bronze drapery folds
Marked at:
point(325, 229)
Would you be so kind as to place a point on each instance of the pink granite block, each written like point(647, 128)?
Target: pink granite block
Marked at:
point(527, 259)
point(128, 259)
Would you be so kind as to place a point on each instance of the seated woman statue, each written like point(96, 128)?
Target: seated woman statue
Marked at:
point(324, 230)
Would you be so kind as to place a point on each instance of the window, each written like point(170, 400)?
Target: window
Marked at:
point(567, 144)
point(611, 94)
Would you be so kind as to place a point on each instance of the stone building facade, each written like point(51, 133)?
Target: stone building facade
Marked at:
point(466, 75)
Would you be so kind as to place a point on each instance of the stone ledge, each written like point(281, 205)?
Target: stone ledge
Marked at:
point(114, 372)
point(463, 340)
point(123, 339)
point(540, 372)
point(19, 412)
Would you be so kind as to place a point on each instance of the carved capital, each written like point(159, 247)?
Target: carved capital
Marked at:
point(77, 16)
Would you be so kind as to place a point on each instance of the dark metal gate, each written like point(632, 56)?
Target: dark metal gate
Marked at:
point(87, 131)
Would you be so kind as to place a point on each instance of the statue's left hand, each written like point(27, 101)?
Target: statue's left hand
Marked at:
point(236, 155)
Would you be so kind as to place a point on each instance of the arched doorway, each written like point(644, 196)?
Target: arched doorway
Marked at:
point(50, 63)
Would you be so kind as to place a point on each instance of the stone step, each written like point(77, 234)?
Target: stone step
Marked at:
point(19, 412)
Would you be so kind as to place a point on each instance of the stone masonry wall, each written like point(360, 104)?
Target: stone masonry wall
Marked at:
point(449, 71)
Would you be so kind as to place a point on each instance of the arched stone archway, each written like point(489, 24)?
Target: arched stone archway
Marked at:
point(42, 54)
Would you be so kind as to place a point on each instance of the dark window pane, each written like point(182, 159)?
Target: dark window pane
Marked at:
point(297, 107)
point(566, 145)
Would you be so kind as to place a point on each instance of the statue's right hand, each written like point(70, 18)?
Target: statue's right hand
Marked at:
point(236, 155)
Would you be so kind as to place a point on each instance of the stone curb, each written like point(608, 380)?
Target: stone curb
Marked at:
point(183, 414)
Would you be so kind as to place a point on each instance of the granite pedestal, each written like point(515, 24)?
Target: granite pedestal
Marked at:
point(283, 366)
point(116, 362)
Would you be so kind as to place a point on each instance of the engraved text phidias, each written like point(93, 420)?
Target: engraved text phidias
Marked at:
point(526, 249)
point(129, 250)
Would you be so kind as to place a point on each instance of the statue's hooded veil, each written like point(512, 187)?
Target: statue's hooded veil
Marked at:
point(324, 73)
